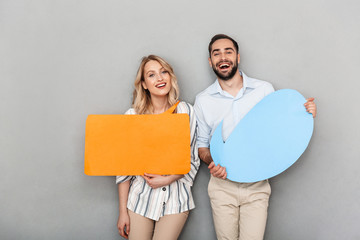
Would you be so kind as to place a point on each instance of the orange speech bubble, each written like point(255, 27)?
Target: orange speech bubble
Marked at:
point(137, 144)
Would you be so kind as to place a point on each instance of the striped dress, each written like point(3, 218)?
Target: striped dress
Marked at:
point(171, 199)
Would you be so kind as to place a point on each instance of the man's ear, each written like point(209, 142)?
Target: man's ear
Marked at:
point(238, 58)
point(210, 62)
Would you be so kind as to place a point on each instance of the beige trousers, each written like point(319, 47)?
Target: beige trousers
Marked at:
point(167, 228)
point(239, 209)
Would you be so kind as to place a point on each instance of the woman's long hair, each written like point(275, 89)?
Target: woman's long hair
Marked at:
point(141, 97)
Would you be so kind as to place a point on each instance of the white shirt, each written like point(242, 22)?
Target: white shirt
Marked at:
point(214, 105)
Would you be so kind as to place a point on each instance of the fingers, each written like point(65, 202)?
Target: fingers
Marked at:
point(123, 234)
point(220, 173)
point(150, 175)
point(217, 171)
point(214, 168)
point(146, 178)
point(127, 228)
point(310, 106)
point(312, 111)
point(211, 165)
point(150, 180)
point(122, 230)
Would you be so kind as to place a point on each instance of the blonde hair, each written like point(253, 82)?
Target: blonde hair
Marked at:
point(141, 97)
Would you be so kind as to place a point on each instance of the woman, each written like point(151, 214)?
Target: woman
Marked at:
point(156, 206)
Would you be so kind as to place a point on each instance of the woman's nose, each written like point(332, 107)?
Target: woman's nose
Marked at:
point(159, 77)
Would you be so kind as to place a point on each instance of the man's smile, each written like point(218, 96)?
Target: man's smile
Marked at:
point(224, 66)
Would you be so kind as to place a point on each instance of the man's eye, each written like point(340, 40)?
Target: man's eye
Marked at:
point(216, 54)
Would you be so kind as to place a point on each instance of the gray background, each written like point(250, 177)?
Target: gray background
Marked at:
point(61, 60)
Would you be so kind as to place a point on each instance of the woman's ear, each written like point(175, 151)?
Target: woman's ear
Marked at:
point(143, 83)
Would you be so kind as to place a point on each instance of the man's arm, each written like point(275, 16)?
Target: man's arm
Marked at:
point(205, 155)
point(216, 171)
point(203, 143)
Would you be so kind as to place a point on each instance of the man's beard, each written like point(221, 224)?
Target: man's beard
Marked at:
point(227, 76)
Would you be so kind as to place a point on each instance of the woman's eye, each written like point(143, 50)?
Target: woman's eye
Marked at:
point(164, 72)
point(152, 75)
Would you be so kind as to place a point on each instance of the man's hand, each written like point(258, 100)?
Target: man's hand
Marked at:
point(124, 225)
point(217, 171)
point(310, 106)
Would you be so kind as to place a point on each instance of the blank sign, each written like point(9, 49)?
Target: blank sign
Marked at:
point(267, 141)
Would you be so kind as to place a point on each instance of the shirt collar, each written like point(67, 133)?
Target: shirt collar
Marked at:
point(247, 83)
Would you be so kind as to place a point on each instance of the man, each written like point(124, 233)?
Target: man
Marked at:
point(239, 209)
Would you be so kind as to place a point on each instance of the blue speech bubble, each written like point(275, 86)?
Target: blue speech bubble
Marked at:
point(267, 141)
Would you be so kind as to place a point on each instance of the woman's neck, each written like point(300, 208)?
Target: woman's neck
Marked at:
point(160, 104)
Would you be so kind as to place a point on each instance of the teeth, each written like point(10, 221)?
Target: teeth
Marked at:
point(224, 65)
point(161, 85)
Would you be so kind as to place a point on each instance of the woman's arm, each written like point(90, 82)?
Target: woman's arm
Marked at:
point(156, 181)
point(124, 220)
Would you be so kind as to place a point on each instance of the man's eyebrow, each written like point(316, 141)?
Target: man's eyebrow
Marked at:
point(229, 48)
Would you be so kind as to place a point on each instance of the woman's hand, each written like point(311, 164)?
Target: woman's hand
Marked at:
point(156, 181)
point(310, 106)
point(124, 225)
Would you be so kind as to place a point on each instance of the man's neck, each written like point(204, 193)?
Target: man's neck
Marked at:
point(233, 85)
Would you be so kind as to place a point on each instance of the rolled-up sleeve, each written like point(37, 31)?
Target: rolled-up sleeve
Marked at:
point(203, 134)
point(121, 179)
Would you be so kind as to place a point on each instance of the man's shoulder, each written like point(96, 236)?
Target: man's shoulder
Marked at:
point(255, 83)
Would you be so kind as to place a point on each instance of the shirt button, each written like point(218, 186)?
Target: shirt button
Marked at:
point(164, 188)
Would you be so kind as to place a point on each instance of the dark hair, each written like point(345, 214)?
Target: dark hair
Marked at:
point(222, 36)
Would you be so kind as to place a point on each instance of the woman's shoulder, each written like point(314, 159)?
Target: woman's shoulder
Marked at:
point(184, 107)
point(130, 111)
